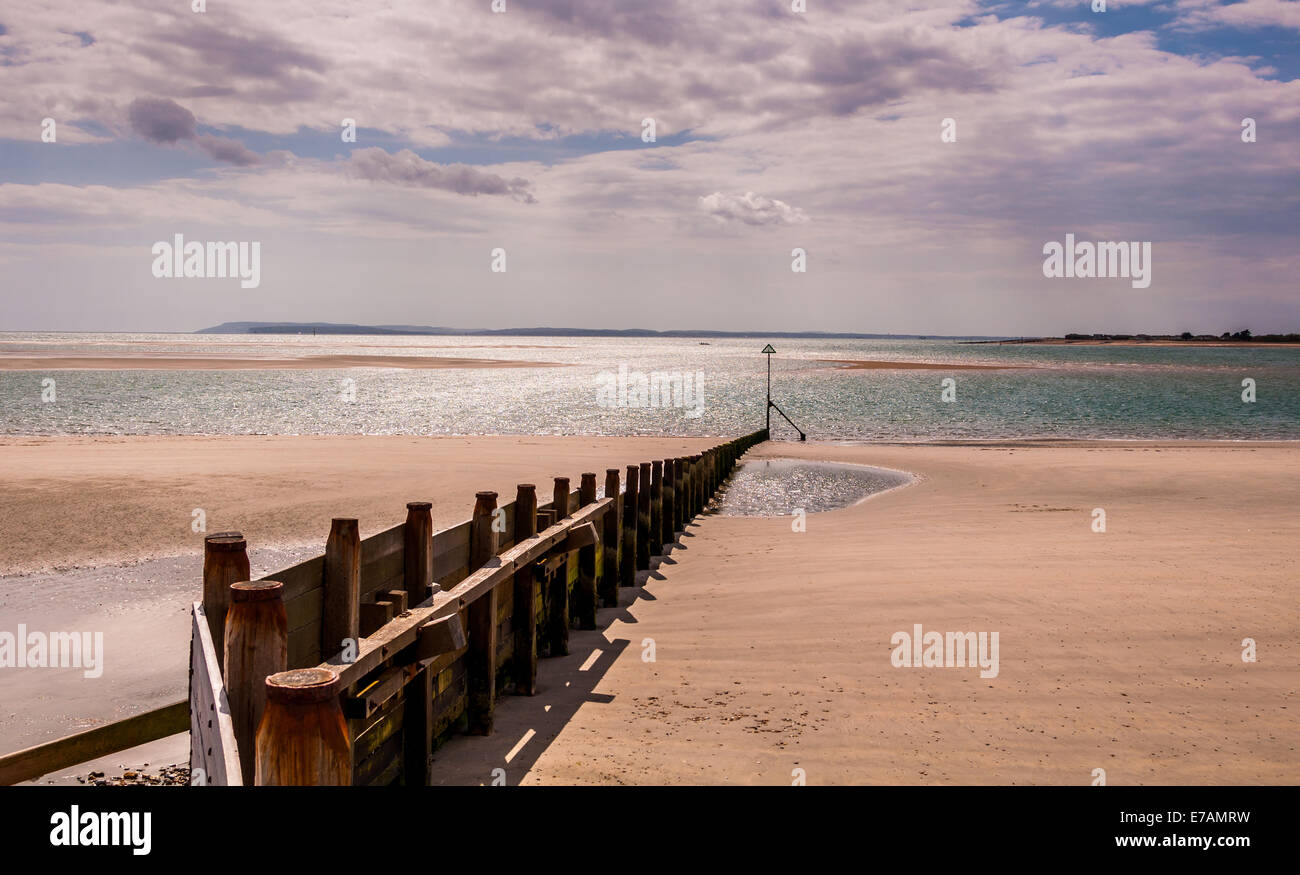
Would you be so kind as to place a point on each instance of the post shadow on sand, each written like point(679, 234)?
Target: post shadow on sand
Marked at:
point(562, 688)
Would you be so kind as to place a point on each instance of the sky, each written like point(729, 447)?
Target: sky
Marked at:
point(775, 130)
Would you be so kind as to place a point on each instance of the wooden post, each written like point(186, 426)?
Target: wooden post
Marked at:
point(679, 496)
point(557, 626)
point(627, 562)
point(417, 574)
point(657, 507)
point(481, 657)
point(643, 519)
point(688, 487)
point(225, 561)
point(697, 476)
point(257, 645)
point(418, 547)
point(341, 598)
point(666, 525)
point(609, 542)
point(584, 594)
point(524, 621)
point(303, 737)
point(560, 498)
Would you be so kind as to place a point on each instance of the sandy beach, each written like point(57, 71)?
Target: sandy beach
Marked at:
point(1118, 650)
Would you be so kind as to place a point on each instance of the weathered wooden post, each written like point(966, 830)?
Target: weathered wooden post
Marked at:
point(609, 542)
point(643, 519)
point(557, 627)
point(667, 522)
point(560, 498)
point(656, 507)
point(303, 737)
point(225, 561)
point(584, 594)
point(679, 495)
point(418, 549)
point(524, 620)
point(417, 575)
point(341, 598)
point(701, 484)
point(688, 486)
point(481, 657)
point(627, 562)
point(257, 645)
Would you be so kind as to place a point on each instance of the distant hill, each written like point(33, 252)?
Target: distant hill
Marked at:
point(344, 328)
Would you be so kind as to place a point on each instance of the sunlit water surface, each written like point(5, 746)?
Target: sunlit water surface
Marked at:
point(1081, 392)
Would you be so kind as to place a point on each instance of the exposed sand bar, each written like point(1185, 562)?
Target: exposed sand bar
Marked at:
point(856, 365)
point(1118, 650)
point(57, 362)
point(93, 500)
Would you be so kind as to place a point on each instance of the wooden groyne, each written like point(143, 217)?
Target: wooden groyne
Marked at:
point(353, 666)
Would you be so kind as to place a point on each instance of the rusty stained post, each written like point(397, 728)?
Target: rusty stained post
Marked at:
point(481, 657)
point(225, 561)
point(257, 645)
point(524, 621)
point(303, 737)
point(609, 542)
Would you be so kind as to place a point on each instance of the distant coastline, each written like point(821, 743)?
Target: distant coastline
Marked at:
point(1243, 338)
point(347, 328)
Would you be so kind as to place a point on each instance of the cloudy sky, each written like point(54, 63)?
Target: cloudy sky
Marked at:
point(774, 130)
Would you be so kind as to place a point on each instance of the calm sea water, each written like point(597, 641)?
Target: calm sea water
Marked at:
point(776, 487)
point(1090, 392)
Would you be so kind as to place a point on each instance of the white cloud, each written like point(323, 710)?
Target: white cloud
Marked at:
point(752, 209)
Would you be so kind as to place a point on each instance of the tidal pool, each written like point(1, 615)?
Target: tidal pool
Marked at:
point(775, 487)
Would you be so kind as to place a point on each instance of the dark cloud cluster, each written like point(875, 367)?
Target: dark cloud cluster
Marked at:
point(164, 121)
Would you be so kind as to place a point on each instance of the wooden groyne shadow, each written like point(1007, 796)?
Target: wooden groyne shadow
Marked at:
point(525, 726)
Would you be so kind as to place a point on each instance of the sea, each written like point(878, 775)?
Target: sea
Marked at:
point(714, 387)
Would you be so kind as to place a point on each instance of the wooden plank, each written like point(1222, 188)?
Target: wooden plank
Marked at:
point(301, 578)
point(304, 646)
point(41, 759)
point(451, 551)
point(213, 748)
point(305, 610)
point(383, 544)
point(386, 572)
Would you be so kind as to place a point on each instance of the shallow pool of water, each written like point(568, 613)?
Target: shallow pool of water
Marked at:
point(776, 487)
